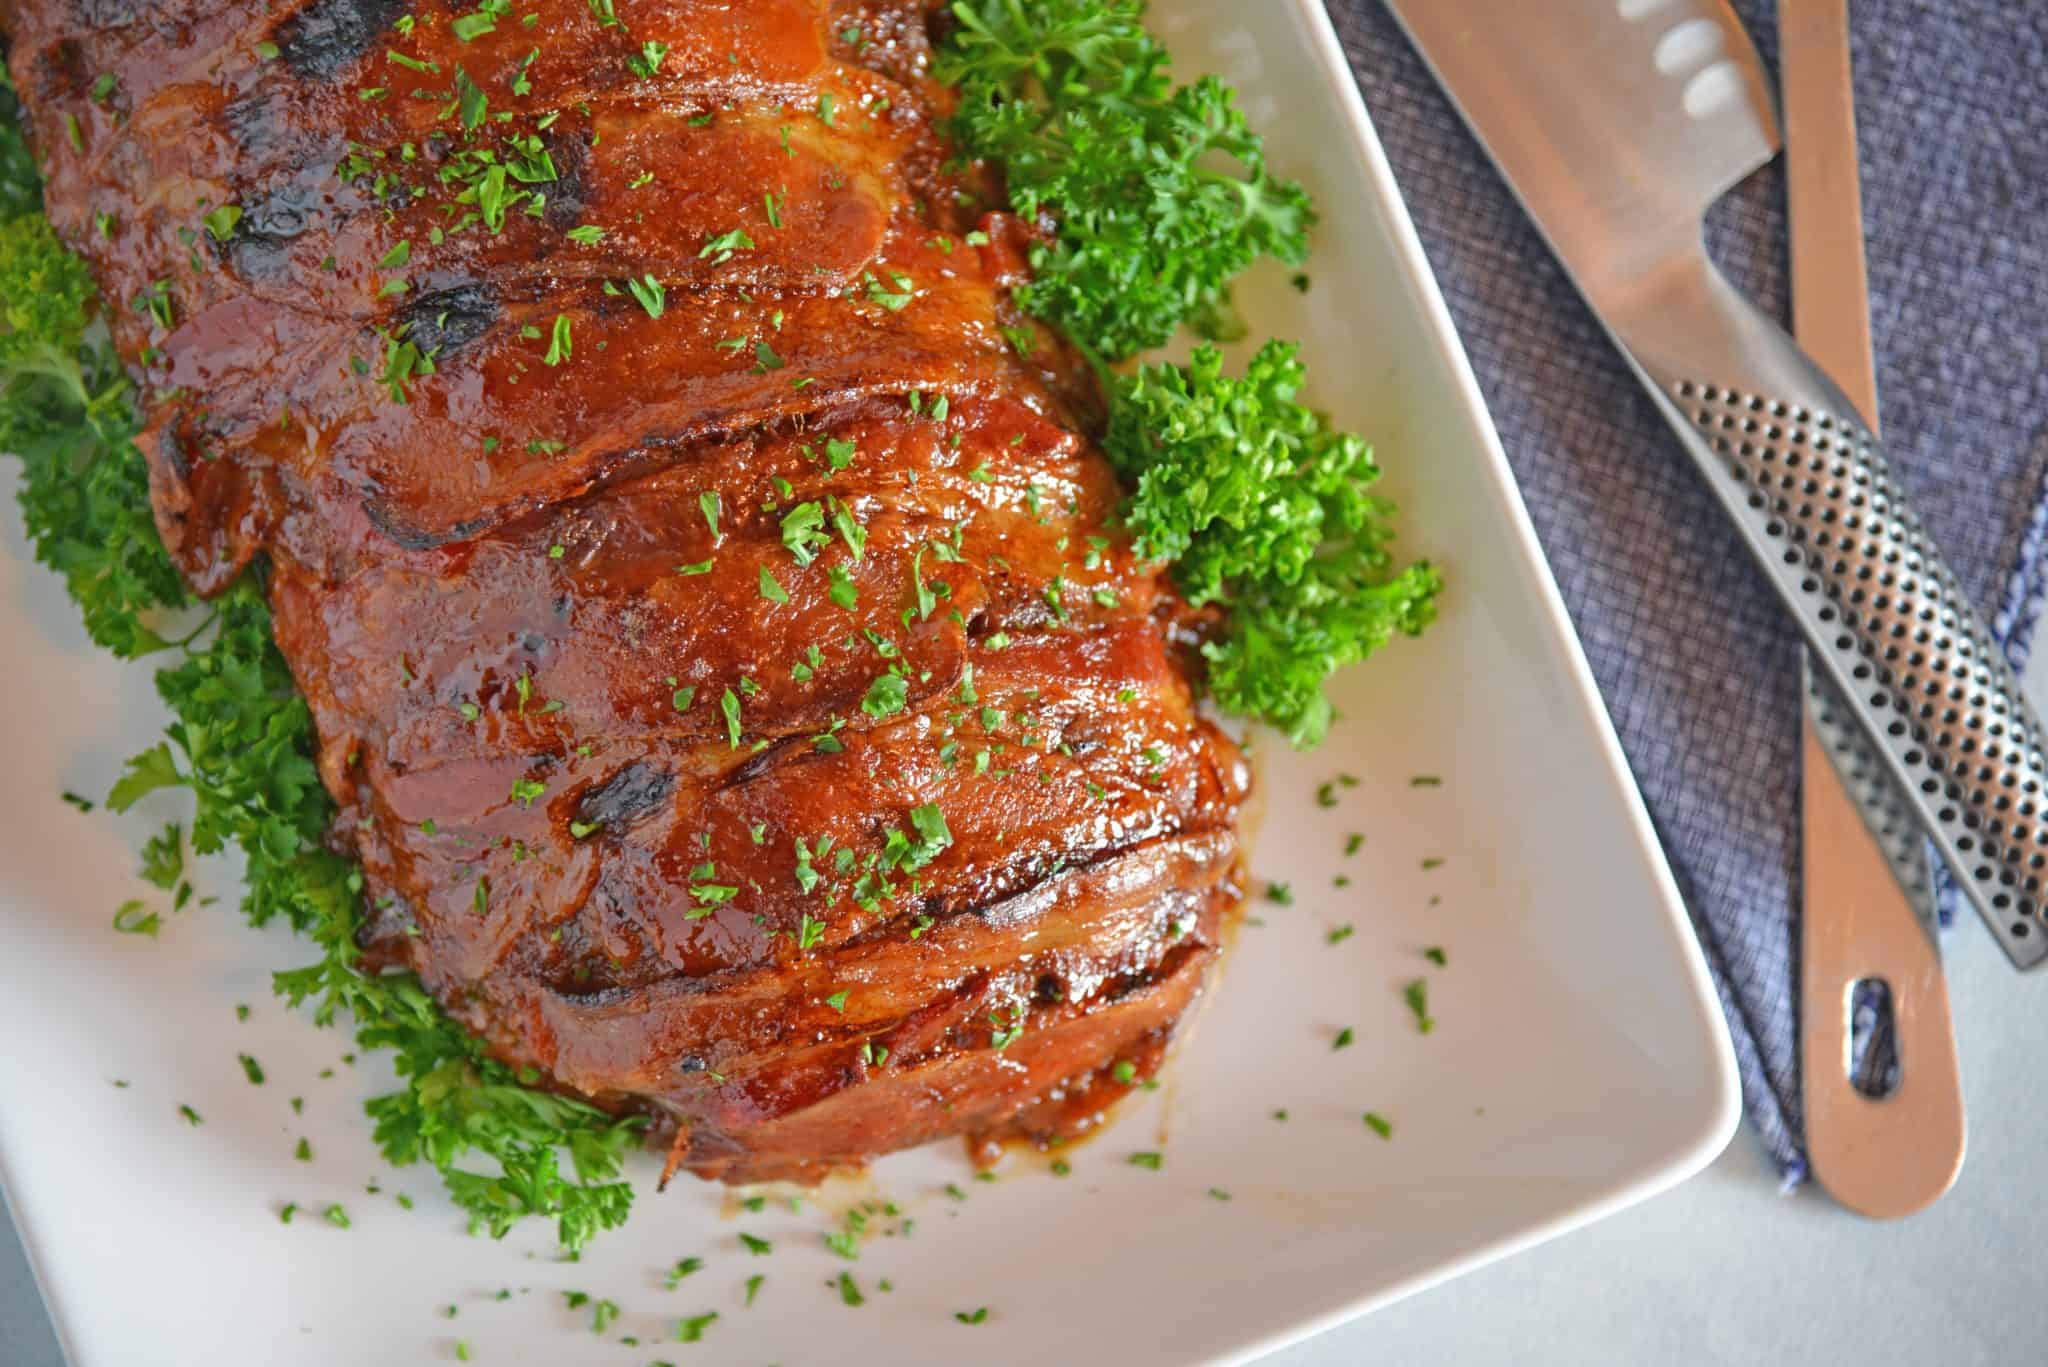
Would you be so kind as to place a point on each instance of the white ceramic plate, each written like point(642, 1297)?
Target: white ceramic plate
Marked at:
point(1579, 1062)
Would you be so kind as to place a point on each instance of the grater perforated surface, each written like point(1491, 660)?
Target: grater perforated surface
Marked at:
point(1934, 695)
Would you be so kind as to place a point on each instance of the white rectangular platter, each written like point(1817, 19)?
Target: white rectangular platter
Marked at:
point(1578, 1063)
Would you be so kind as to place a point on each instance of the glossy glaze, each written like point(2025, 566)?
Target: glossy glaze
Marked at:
point(487, 578)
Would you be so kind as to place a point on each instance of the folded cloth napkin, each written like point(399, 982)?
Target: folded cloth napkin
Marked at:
point(1697, 664)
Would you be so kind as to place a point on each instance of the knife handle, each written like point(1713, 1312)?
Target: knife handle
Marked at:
point(1807, 485)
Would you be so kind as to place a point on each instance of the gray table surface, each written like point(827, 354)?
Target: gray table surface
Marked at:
point(1721, 1270)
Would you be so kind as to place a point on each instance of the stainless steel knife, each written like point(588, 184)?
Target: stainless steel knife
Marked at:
point(1617, 125)
point(1867, 910)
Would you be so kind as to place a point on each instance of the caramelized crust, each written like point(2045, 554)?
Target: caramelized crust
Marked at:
point(706, 586)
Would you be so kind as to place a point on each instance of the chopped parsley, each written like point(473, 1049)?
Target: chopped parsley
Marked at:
point(895, 300)
point(650, 294)
point(647, 60)
point(133, 917)
point(886, 695)
point(729, 704)
point(220, 222)
point(1416, 994)
point(560, 345)
point(1002, 1035)
point(842, 592)
point(720, 249)
point(803, 531)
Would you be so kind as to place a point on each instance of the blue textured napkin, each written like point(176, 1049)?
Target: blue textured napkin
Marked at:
point(1697, 665)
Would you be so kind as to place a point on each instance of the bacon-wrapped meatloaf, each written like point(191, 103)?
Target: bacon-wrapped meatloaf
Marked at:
point(705, 584)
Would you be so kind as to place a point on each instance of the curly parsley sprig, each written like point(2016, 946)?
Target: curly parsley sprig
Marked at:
point(241, 743)
point(1264, 508)
point(1159, 195)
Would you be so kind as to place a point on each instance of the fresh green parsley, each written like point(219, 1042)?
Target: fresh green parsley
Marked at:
point(1416, 994)
point(886, 695)
point(220, 222)
point(729, 704)
point(719, 249)
point(1161, 193)
point(647, 60)
point(649, 293)
point(803, 531)
point(133, 917)
point(1263, 508)
point(560, 345)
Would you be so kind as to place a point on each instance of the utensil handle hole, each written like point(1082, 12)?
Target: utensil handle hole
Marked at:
point(1872, 1055)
